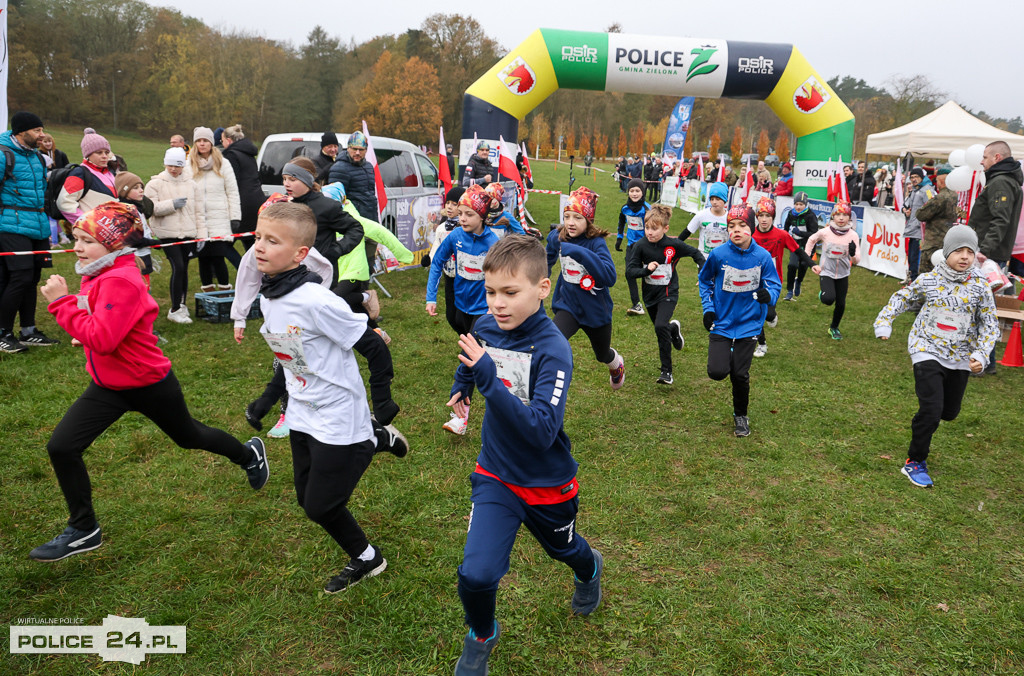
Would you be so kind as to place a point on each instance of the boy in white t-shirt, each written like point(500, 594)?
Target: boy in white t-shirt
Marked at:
point(714, 232)
point(333, 437)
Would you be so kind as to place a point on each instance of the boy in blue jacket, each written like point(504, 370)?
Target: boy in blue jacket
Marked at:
point(582, 299)
point(469, 244)
point(631, 225)
point(499, 220)
point(737, 284)
point(525, 473)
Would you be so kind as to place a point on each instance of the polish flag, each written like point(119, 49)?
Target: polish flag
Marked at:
point(442, 165)
point(841, 178)
point(721, 171)
point(371, 157)
point(897, 187)
point(700, 171)
point(747, 181)
point(507, 166)
point(526, 162)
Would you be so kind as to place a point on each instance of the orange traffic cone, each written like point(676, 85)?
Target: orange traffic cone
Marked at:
point(1013, 355)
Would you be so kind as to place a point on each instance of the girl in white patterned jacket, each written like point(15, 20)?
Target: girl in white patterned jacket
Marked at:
point(950, 339)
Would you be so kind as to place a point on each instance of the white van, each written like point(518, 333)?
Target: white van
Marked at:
point(410, 181)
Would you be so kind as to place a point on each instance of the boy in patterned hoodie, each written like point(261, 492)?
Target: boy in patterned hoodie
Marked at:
point(950, 339)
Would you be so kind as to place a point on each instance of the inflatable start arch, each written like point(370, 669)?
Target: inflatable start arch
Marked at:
point(776, 73)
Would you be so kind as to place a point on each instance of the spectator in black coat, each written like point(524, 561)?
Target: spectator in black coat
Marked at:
point(327, 156)
point(241, 153)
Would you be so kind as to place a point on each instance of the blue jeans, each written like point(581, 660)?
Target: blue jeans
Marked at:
point(913, 257)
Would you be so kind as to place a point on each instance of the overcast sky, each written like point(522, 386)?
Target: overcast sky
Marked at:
point(951, 42)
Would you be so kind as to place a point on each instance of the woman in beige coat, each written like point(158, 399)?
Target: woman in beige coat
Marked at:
point(216, 181)
point(179, 214)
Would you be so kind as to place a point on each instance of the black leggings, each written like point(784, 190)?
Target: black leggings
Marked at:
point(213, 266)
point(940, 391)
point(732, 357)
point(634, 294)
point(600, 337)
point(449, 302)
point(18, 296)
point(98, 408)
point(351, 291)
point(178, 256)
point(796, 270)
point(325, 476)
point(661, 315)
point(834, 291)
point(464, 322)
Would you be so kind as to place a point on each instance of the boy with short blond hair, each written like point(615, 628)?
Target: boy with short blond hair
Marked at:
point(525, 473)
point(333, 437)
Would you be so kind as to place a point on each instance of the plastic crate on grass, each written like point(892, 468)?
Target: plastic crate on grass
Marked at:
point(215, 306)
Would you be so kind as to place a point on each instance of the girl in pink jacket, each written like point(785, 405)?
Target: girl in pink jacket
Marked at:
point(840, 251)
point(112, 319)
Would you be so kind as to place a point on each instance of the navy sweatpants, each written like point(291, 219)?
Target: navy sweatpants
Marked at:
point(493, 524)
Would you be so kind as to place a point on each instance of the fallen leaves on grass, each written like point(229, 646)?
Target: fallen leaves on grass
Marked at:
point(943, 607)
point(885, 457)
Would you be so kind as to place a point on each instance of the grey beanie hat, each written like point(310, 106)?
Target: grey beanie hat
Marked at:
point(958, 237)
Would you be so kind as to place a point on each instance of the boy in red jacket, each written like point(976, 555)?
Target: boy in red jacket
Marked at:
point(112, 319)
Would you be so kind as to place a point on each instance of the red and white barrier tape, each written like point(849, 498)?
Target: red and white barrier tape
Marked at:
point(221, 238)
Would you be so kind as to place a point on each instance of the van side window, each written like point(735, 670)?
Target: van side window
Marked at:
point(279, 153)
point(427, 172)
point(397, 169)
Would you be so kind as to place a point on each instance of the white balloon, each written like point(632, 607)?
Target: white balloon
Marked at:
point(957, 158)
point(972, 157)
point(980, 177)
point(959, 179)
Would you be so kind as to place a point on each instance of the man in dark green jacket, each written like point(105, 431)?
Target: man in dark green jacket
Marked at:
point(938, 215)
point(996, 212)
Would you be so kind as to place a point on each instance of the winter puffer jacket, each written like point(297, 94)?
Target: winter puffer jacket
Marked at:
point(242, 156)
point(74, 200)
point(220, 197)
point(23, 194)
point(476, 170)
point(996, 212)
point(171, 223)
point(358, 182)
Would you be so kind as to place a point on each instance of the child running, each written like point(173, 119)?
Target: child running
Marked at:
point(801, 222)
point(582, 299)
point(450, 213)
point(950, 339)
point(737, 284)
point(840, 251)
point(333, 437)
point(774, 241)
point(499, 220)
point(654, 259)
point(525, 473)
point(631, 221)
point(469, 244)
point(112, 319)
point(710, 220)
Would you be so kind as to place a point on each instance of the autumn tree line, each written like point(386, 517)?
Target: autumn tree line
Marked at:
point(123, 64)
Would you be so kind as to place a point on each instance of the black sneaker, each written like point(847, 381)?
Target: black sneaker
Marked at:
point(665, 378)
point(392, 441)
point(10, 344)
point(36, 339)
point(258, 469)
point(742, 425)
point(677, 334)
point(588, 594)
point(71, 541)
point(356, 570)
point(637, 309)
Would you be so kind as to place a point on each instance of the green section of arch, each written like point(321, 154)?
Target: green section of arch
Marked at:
point(830, 142)
point(580, 59)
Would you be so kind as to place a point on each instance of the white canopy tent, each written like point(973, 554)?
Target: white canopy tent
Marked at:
point(940, 132)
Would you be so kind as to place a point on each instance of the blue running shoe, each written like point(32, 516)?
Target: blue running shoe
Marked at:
point(71, 541)
point(473, 661)
point(588, 594)
point(917, 472)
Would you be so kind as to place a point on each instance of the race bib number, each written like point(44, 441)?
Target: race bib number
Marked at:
point(837, 250)
point(572, 271)
point(634, 223)
point(287, 347)
point(946, 324)
point(500, 232)
point(83, 303)
point(449, 266)
point(661, 276)
point(738, 281)
point(513, 370)
point(714, 237)
point(470, 266)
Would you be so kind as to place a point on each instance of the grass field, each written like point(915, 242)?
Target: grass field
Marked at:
point(799, 550)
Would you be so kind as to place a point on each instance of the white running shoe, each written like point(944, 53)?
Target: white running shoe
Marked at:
point(761, 350)
point(179, 316)
point(455, 425)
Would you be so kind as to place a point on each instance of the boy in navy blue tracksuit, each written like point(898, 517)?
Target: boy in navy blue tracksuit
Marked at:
point(525, 473)
point(631, 225)
point(582, 299)
point(737, 284)
point(469, 244)
point(654, 259)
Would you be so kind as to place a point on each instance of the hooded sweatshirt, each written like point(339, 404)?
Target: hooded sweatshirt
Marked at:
point(836, 261)
point(112, 316)
point(584, 262)
point(957, 322)
point(727, 284)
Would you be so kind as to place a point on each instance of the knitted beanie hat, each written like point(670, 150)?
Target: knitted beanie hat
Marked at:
point(93, 142)
point(958, 237)
point(583, 201)
point(125, 181)
point(113, 224)
point(202, 133)
point(174, 157)
point(476, 199)
point(743, 213)
point(23, 121)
